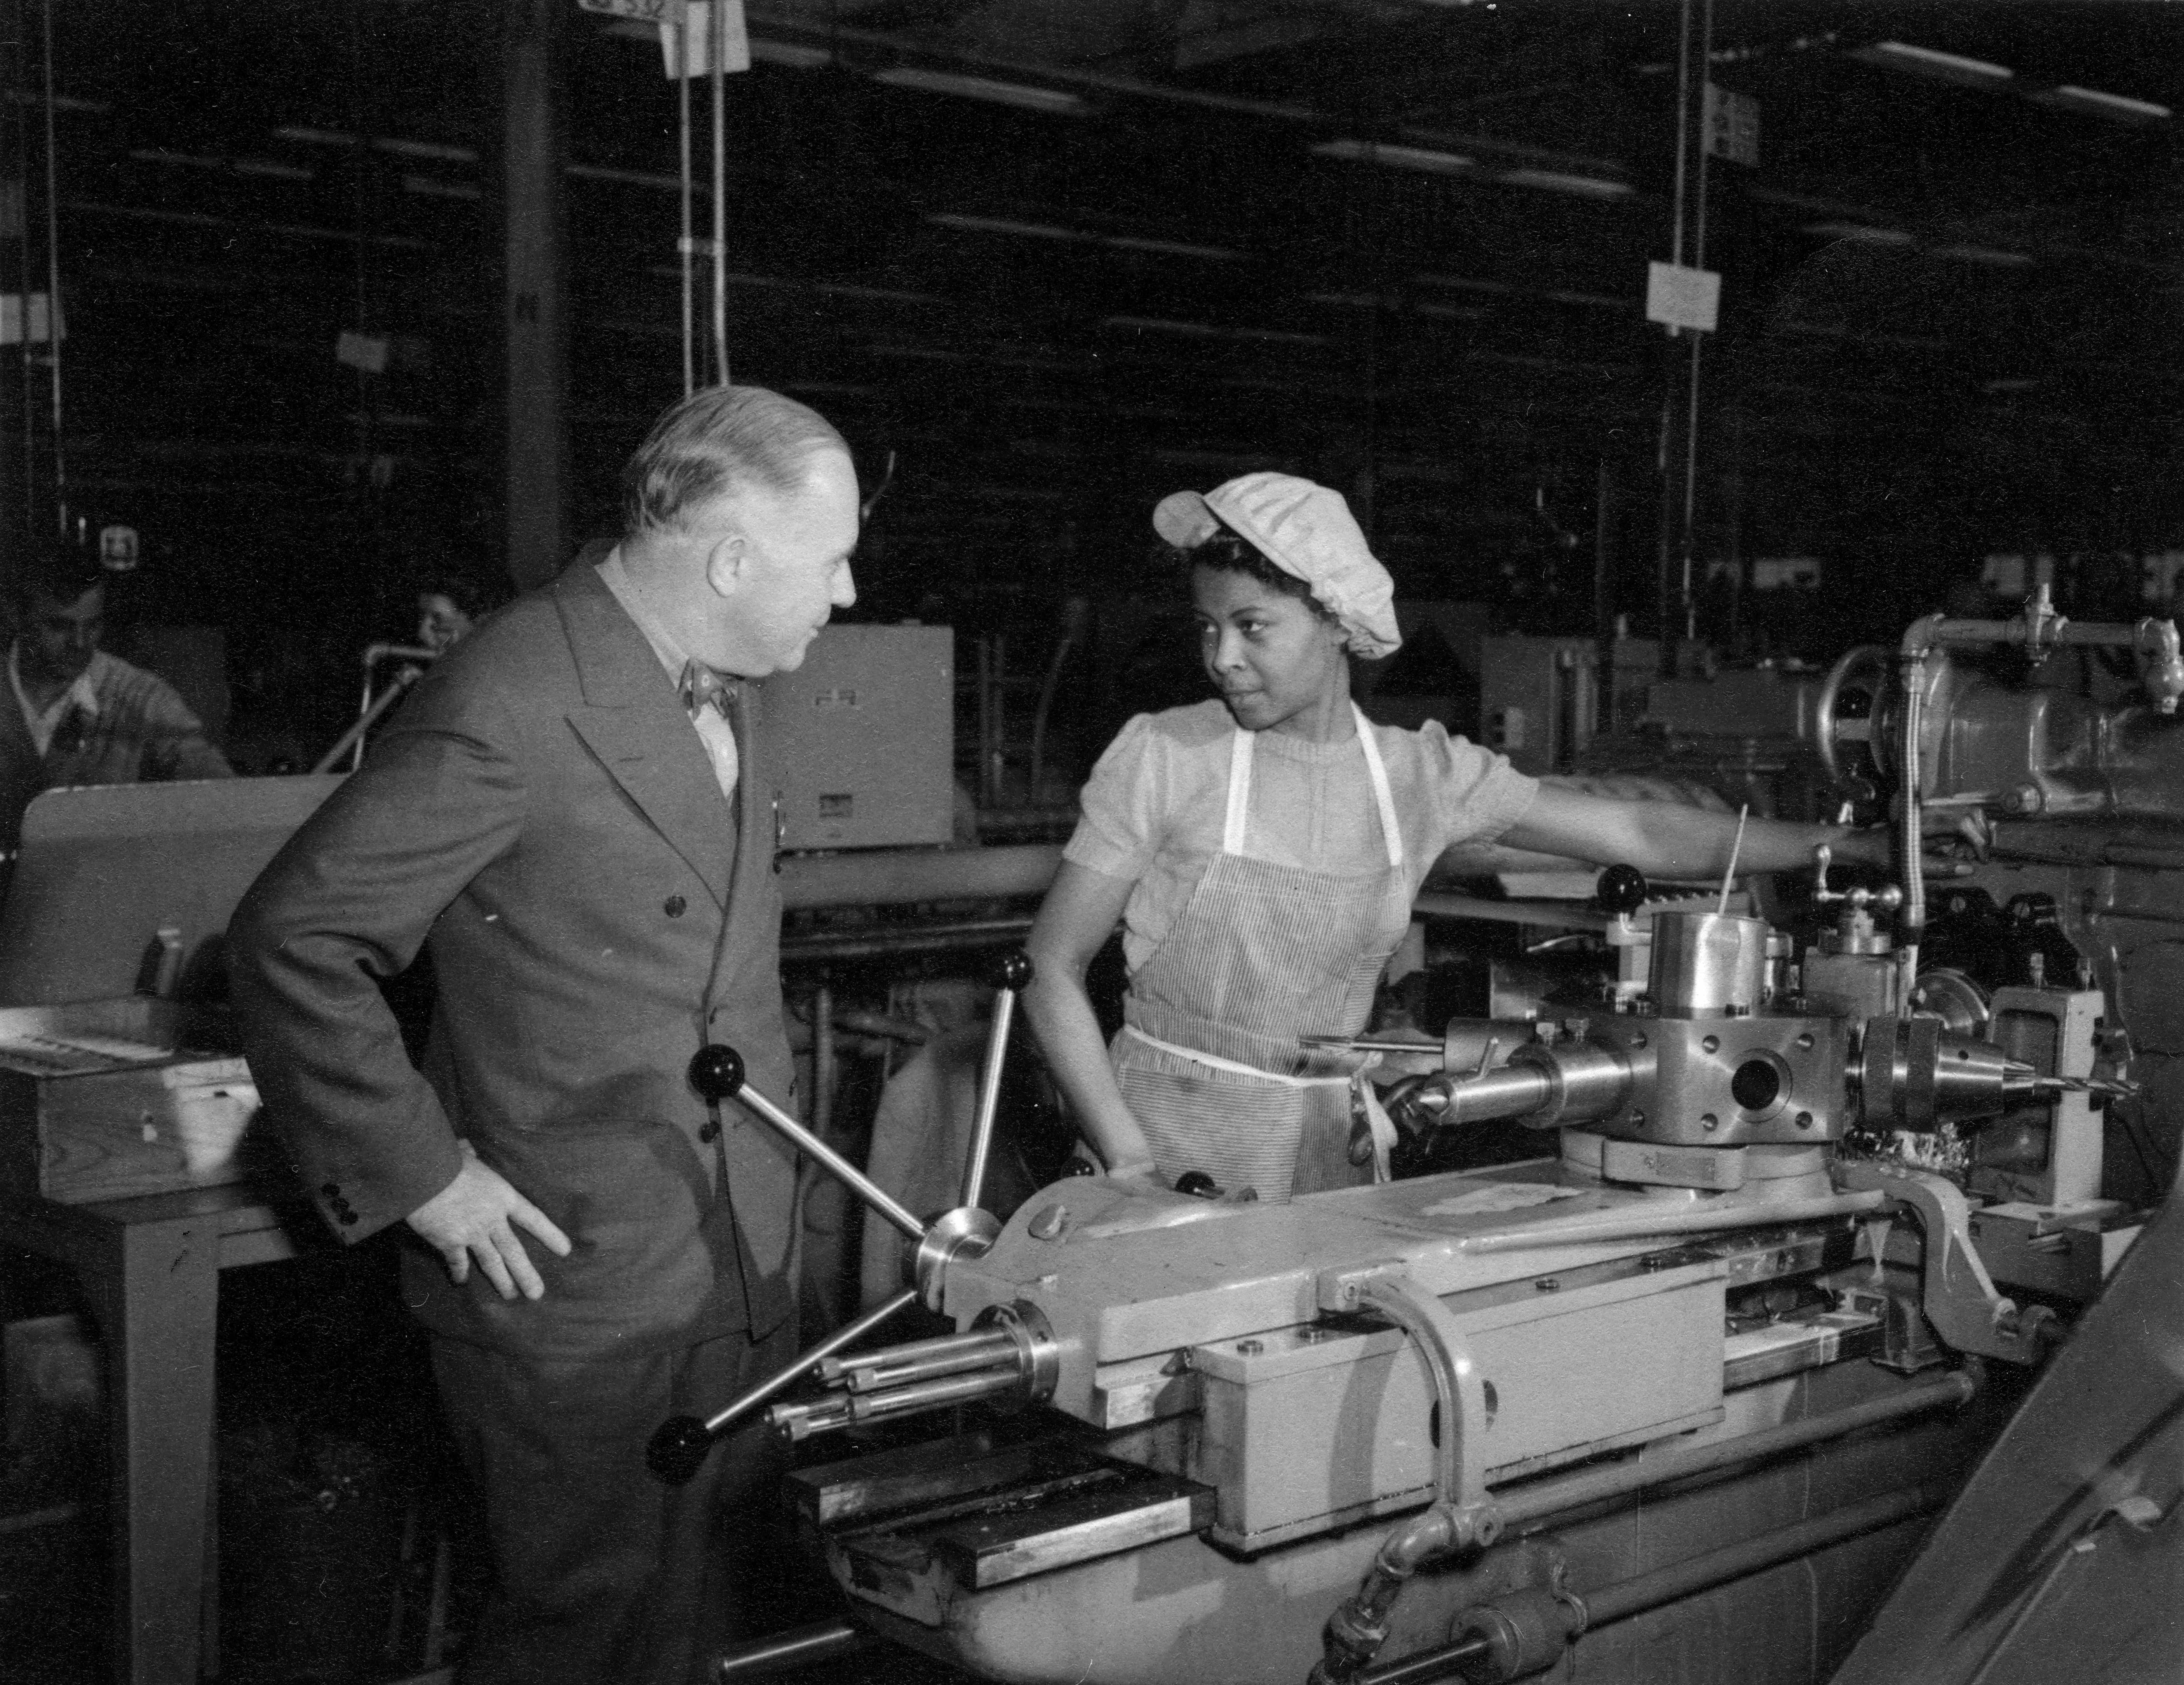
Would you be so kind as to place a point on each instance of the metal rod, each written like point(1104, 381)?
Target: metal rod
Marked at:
point(354, 737)
point(801, 1422)
point(900, 876)
point(934, 1395)
point(1706, 1219)
point(856, 1180)
point(1733, 1562)
point(990, 1097)
point(716, 54)
point(984, 1341)
point(800, 1646)
point(932, 939)
point(1536, 1502)
point(898, 1371)
point(1684, 1579)
point(682, 193)
point(848, 1335)
point(52, 286)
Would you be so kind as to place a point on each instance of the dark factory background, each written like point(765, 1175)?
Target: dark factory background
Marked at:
point(1949, 324)
point(356, 297)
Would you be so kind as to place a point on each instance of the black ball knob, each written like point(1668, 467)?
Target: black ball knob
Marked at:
point(717, 1072)
point(1198, 1185)
point(1013, 971)
point(1621, 889)
point(677, 1450)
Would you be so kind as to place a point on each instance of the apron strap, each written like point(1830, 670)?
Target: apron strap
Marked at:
point(1239, 790)
point(1214, 1062)
point(1391, 834)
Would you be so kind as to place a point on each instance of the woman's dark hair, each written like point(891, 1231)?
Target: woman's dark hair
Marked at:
point(1229, 552)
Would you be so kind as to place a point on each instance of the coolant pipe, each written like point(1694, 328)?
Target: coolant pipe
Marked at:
point(1687, 1578)
point(1457, 1516)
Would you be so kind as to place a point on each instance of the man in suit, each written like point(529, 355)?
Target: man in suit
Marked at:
point(567, 812)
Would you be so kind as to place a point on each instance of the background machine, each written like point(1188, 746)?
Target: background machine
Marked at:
point(1678, 1396)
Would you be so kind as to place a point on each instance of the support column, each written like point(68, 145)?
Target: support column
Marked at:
point(531, 150)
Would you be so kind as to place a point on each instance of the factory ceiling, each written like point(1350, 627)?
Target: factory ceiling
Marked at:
point(1058, 256)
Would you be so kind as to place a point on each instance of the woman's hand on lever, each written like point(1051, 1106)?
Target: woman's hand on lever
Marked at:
point(1139, 1178)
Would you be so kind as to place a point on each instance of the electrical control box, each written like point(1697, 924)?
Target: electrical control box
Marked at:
point(859, 743)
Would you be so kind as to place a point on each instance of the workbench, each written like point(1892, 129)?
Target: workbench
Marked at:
point(149, 1268)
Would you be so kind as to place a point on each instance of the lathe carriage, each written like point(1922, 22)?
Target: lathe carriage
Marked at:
point(1676, 1398)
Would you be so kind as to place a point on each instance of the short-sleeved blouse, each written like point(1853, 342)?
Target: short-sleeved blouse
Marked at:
point(1153, 808)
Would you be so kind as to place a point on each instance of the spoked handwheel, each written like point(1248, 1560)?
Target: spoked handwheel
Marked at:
point(1847, 715)
point(679, 1447)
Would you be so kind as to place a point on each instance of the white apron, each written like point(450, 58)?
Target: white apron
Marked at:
point(1210, 1060)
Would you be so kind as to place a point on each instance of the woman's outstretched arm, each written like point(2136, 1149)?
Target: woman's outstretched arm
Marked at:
point(1079, 914)
point(1667, 839)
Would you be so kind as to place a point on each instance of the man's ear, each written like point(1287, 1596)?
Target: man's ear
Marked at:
point(726, 562)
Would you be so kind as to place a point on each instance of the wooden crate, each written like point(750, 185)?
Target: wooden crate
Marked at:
point(105, 1099)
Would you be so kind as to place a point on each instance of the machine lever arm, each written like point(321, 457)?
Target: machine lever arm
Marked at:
point(1011, 976)
point(678, 1445)
point(717, 1072)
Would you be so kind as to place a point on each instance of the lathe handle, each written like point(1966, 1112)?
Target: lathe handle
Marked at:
point(1011, 976)
point(679, 1445)
point(717, 1072)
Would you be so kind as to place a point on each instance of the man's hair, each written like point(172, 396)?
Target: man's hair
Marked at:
point(713, 441)
point(58, 574)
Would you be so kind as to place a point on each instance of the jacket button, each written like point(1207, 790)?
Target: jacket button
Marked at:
point(674, 906)
point(330, 1190)
point(345, 1217)
point(709, 1130)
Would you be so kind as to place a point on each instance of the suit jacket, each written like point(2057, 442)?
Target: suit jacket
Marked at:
point(542, 814)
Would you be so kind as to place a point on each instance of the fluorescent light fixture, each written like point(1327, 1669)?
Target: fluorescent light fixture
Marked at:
point(789, 54)
point(1555, 181)
point(270, 168)
point(1606, 301)
point(452, 155)
point(2095, 104)
point(317, 137)
point(1989, 255)
point(190, 159)
point(433, 188)
point(1925, 61)
point(1450, 312)
point(1395, 157)
point(635, 178)
point(1002, 225)
point(1173, 249)
point(1021, 95)
point(1462, 283)
point(1865, 233)
point(1199, 330)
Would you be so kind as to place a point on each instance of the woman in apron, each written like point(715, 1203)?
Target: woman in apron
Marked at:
point(1261, 850)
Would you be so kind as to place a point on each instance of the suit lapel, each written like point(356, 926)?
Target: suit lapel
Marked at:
point(753, 906)
point(632, 721)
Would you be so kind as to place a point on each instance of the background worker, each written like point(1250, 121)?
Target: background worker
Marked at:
point(80, 716)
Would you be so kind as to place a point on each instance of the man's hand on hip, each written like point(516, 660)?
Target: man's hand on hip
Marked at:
point(476, 1215)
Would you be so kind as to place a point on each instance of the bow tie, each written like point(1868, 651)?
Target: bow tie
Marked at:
point(702, 688)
